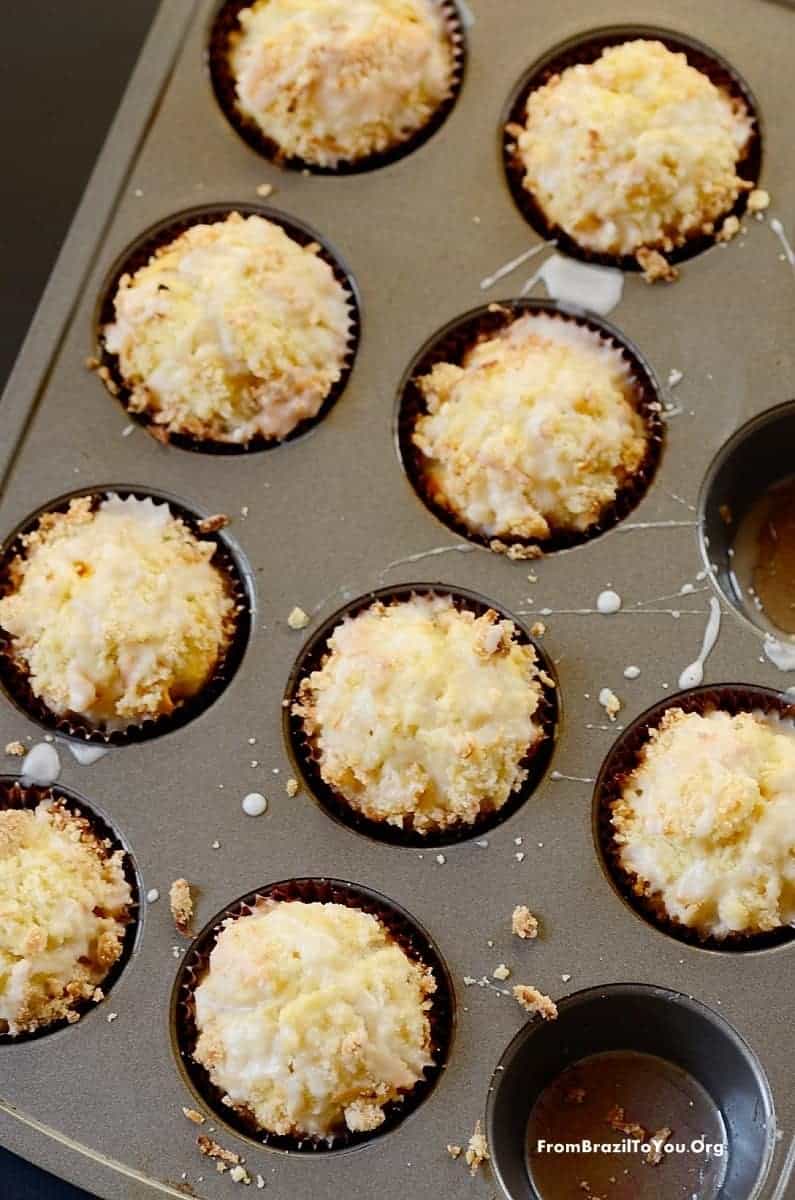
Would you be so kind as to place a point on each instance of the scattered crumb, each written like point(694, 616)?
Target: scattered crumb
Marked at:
point(260, 1181)
point(758, 200)
point(535, 1002)
point(111, 1017)
point(212, 1150)
point(440, 858)
point(654, 1155)
point(616, 1119)
point(519, 856)
point(291, 787)
point(477, 1152)
point(566, 978)
point(91, 363)
point(729, 229)
point(181, 901)
point(674, 377)
point(610, 703)
point(265, 189)
point(453, 1150)
point(216, 845)
point(523, 923)
point(193, 1115)
point(575, 1095)
point(152, 895)
point(213, 524)
point(654, 266)
point(298, 619)
point(539, 629)
point(501, 972)
point(16, 749)
point(128, 430)
point(239, 1174)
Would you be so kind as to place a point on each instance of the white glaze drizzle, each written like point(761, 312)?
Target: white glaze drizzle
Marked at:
point(693, 674)
point(608, 602)
point(557, 776)
point(41, 765)
point(413, 558)
point(512, 265)
point(781, 654)
point(86, 754)
point(598, 289)
point(778, 229)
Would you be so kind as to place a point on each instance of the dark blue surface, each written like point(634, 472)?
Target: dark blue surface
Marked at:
point(59, 90)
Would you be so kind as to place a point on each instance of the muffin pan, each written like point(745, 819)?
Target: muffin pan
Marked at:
point(328, 518)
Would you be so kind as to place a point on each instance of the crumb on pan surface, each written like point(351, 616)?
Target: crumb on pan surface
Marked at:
point(64, 906)
point(422, 713)
point(477, 1151)
point(116, 614)
point(705, 824)
point(231, 331)
point(535, 1002)
point(180, 899)
point(338, 80)
point(635, 150)
point(523, 923)
point(312, 1018)
point(534, 433)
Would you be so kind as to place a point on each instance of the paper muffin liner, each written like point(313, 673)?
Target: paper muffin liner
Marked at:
point(14, 677)
point(15, 794)
point(621, 761)
point(450, 344)
point(225, 26)
point(586, 49)
point(305, 757)
point(409, 935)
point(136, 256)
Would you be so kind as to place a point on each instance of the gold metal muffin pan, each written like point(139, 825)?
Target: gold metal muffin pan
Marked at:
point(330, 517)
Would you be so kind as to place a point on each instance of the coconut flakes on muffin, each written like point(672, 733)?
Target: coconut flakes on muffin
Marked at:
point(330, 81)
point(64, 906)
point(705, 824)
point(422, 714)
point(312, 1018)
point(534, 433)
point(232, 331)
point(116, 614)
point(637, 150)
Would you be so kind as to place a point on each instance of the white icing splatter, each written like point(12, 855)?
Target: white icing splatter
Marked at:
point(781, 654)
point(778, 229)
point(466, 13)
point(631, 672)
point(674, 377)
point(693, 674)
point(86, 754)
point(556, 775)
point(509, 267)
point(41, 765)
point(608, 602)
point(153, 895)
point(598, 289)
point(413, 558)
point(254, 804)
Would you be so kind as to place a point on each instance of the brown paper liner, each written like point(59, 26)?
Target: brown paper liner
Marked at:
point(613, 776)
point(15, 794)
point(226, 25)
point(304, 755)
point(415, 942)
point(586, 49)
point(450, 344)
point(138, 255)
point(14, 677)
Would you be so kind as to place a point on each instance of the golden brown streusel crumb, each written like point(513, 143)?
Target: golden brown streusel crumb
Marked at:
point(361, 1116)
point(213, 524)
point(211, 1149)
point(535, 1002)
point(616, 1119)
point(181, 901)
point(291, 787)
point(239, 1174)
point(193, 1115)
point(15, 749)
point(477, 1152)
point(523, 923)
point(729, 229)
point(538, 629)
point(501, 972)
point(453, 1150)
point(265, 189)
point(758, 200)
point(610, 703)
point(655, 1153)
point(298, 619)
point(655, 266)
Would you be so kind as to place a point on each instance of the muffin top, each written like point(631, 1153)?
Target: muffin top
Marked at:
point(313, 1018)
point(338, 80)
point(422, 714)
point(116, 614)
point(637, 150)
point(64, 902)
point(535, 433)
point(706, 821)
point(230, 332)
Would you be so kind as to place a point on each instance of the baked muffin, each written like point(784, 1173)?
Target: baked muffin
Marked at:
point(330, 81)
point(534, 434)
point(423, 715)
point(311, 1018)
point(705, 824)
point(116, 614)
point(230, 332)
point(634, 153)
point(64, 907)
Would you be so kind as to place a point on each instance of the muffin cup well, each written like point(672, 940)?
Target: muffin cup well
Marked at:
point(15, 794)
point(621, 761)
point(225, 25)
point(14, 678)
point(138, 255)
point(303, 754)
point(415, 942)
point(451, 343)
point(586, 48)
